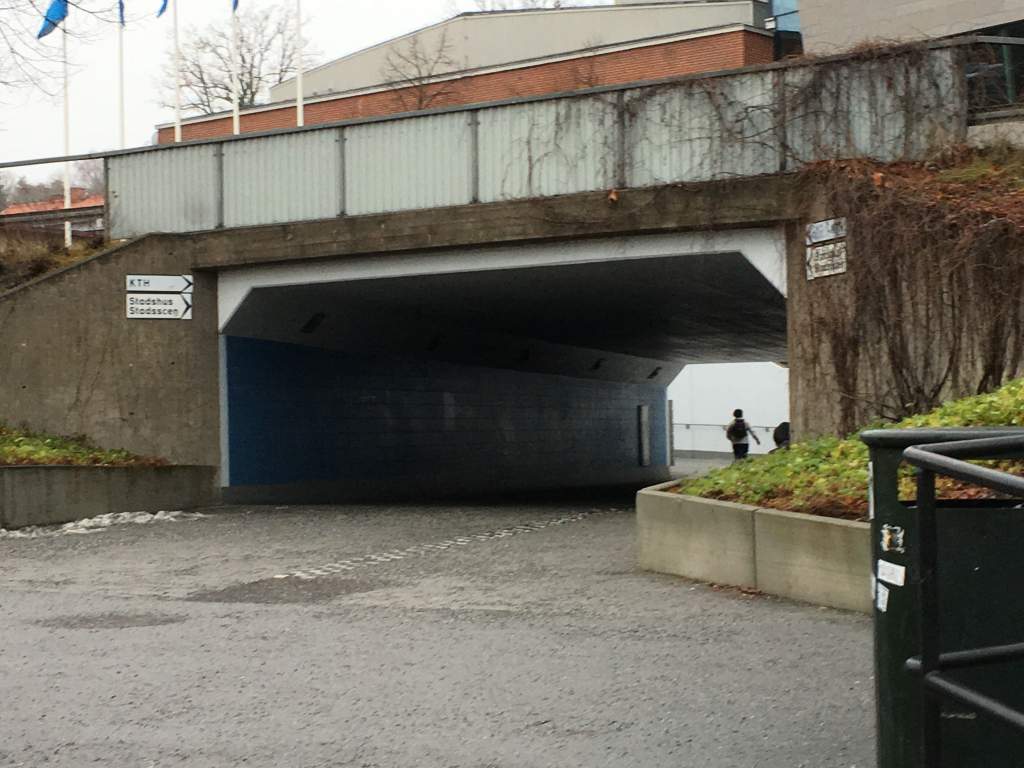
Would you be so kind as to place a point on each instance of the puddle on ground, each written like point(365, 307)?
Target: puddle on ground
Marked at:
point(110, 620)
point(290, 590)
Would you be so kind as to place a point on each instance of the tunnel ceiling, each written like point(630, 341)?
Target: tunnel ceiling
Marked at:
point(706, 308)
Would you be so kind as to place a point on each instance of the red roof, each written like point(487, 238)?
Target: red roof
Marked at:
point(79, 199)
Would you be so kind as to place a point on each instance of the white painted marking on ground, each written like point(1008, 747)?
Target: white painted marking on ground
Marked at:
point(99, 523)
point(423, 550)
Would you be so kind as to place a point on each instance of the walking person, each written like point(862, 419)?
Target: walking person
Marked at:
point(739, 435)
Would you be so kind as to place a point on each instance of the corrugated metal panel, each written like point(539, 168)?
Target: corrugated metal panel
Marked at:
point(420, 162)
point(292, 177)
point(888, 108)
point(548, 148)
point(892, 108)
point(172, 190)
point(702, 130)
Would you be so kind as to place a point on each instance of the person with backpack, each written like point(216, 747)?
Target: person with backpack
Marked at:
point(739, 435)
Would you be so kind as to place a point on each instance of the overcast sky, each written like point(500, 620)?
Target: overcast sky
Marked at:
point(31, 121)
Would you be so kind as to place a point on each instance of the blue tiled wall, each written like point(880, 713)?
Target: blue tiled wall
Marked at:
point(299, 414)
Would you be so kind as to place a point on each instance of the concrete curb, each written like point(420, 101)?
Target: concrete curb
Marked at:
point(44, 495)
point(801, 557)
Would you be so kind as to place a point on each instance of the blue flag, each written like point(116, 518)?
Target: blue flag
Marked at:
point(55, 14)
point(120, 11)
point(234, 5)
point(163, 7)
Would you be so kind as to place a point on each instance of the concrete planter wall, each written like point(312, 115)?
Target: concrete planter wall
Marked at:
point(802, 557)
point(57, 495)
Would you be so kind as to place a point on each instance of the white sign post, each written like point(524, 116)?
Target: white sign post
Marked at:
point(158, 297)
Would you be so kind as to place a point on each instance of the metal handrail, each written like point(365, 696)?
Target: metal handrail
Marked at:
point(948, 460)
point(689, 424)
point(955, 42)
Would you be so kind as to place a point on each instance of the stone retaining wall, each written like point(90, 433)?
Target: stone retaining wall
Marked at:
point(802, 557)
point(56, 495)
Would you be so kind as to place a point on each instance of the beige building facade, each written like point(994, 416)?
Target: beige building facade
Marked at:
point(475, 41)
point(831, 25)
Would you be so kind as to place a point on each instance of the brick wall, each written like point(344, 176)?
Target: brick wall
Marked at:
point(704, 54)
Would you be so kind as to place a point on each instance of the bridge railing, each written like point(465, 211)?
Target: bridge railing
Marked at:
point(889, 104)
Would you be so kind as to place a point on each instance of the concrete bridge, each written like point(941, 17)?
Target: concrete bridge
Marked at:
point(479, 299)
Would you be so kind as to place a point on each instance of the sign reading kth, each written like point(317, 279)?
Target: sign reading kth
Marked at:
point(159, 283)
point(158, 297)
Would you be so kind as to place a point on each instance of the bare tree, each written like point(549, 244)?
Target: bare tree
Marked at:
point(267, 53)
point(511, 5)
point(21, 190)
point(90, 175)
point(455, 7)
point(413, 69)
point(24, 60)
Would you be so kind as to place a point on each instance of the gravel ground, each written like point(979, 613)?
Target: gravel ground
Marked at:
point(502, 636)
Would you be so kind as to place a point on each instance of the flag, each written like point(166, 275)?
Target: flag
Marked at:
point(163, 7)
point(120, 11)
point(234, 5)
point(55, 14)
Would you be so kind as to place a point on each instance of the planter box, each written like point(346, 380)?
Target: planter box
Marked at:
point(57, 495)
point(700, 539)
point(802, 557)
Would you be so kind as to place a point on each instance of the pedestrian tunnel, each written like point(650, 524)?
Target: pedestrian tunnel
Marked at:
point(481, 371)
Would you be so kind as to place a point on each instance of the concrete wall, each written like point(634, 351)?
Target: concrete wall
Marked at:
point(57, 495)
point(801, 557)
point(315, 419)
point(831, 25)
point(704, 397)
point(71, 363)
point(706, 540)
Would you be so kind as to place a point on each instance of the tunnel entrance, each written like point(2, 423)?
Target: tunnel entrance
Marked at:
point(479, 371)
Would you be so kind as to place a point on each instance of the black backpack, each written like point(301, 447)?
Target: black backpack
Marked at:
point(737, 430)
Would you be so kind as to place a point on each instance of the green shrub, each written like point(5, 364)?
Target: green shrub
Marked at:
point(18, 447)
point(829, 476)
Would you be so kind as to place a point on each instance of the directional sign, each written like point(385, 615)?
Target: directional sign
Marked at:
point(159, 306)
point(827, 259)
point(159, 283)
point(823, 231)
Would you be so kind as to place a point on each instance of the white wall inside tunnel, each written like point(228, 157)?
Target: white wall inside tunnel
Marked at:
point(764, 248)
point(704, 397)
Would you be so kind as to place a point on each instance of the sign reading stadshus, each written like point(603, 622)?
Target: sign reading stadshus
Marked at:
point(158, 297)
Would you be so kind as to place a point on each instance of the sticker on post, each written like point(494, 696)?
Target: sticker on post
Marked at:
point(882, 598)
point(891, 573)
point(894, 539)
point(871, 490)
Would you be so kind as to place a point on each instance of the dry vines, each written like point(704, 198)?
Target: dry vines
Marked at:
point(934, 290)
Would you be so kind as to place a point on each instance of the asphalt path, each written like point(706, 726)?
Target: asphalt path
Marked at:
point(509, 636)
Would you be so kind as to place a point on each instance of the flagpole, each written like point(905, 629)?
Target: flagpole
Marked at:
point(120, 92)
point(67, 138)
point(300, 105)
point(177, 76)
point(236, 65)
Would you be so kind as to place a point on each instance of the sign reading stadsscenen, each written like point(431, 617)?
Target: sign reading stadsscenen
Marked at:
point(158, 306)
point(158, 297)
point(825, 260)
